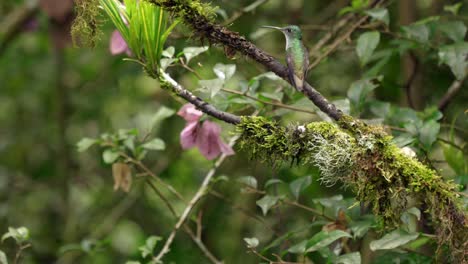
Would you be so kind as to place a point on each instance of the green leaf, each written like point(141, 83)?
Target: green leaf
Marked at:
point(380, 14)
point(428, 133)
point(272, 182)
point(358, 92)
point(455, 30)
point(329, 202)
point(453, 8)
point(393, 240)
point(224, 71)
point(133, 262)
point(417, 31)
point(251, 242)
point(249, 181)
point(455, 159)
point(323, 239)
point(169, 52)
point(298, 248)
point(110, 156)
point(148, 248)
point(360, 228)
point(298, 185)
point(20, 234)
point(455, 57)
point(350, 258)
point(3, 258)
point(154, 144)
point(267, 202)
point(191, 52)
point(85, 143)
point(162, 113)
point(212, 86)
point(410, 219)
point(366, 45)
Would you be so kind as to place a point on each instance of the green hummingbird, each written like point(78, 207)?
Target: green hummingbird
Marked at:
point(297, 56)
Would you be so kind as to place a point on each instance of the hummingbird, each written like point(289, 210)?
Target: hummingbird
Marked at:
point(297, 56)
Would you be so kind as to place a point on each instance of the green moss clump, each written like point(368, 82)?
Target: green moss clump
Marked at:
point(85, 30)
point(190, 10)
point(364, 158)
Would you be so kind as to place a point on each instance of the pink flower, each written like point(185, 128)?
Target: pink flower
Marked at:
point(190, 113)
point(118, 45)
point(206, 136)
point(209, 141)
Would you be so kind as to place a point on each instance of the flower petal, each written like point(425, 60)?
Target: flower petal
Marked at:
point(208, 140)
point(189, 135)
point(117, 44)
point(189, 113)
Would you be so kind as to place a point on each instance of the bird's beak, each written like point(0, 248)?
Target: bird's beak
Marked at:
point(278, 28)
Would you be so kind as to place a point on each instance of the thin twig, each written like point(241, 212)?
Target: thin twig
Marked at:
point(280, 105)
point(145, 169)
point(312, 210)
point(450, 94)
point(247, 9)
point(188, 209)
point(198, 102)
point(219, 34)
point(12, 23)
point(337, 42)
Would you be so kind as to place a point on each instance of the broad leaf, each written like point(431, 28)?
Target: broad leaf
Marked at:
point(380, 14)
point(272, 182)
point(148, 248)
point(212, 86)
point(455, 30)
point(267, 202)
point(251, 242)
point(224, 71)
point(109, 156)
point(298, 185)
point(350, 258)
point(154, 144)
point(169, 52)
point(393, 240)
point(3, 258)
point(323, 239)
point(20, 234)
point(453, 8)
point(455, 57)
point(249, 181)
point(428, 133)
point(358, 92)
point(418, 31)
point(366, 45)
point(191, 52)
point(85, 143)
point(298, 248)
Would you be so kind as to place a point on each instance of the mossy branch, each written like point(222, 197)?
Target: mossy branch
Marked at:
point(367, 162)
point(197, 16)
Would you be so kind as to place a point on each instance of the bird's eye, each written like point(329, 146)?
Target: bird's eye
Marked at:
point(289, 30)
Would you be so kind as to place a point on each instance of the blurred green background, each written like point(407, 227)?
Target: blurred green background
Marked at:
point(53, 94)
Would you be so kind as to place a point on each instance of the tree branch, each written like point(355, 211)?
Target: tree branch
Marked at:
point(219, 34)
point(450, 94)
point(202, 191)
point(197, 101)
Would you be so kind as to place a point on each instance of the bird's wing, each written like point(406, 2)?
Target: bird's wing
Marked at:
point(291, 71)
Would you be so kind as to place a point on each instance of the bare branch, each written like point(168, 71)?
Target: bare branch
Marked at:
point(450, 94)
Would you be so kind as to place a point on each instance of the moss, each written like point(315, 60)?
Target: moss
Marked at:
point(364, 158)
point(190, 10)
point(85, 29)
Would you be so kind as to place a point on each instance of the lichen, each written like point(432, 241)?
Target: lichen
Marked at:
point(364, 159)
point(190, 10)
point(85, 30)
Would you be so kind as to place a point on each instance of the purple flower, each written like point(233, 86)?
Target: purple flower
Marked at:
point(206, 136)
point(118, 45)
point(190, 113)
